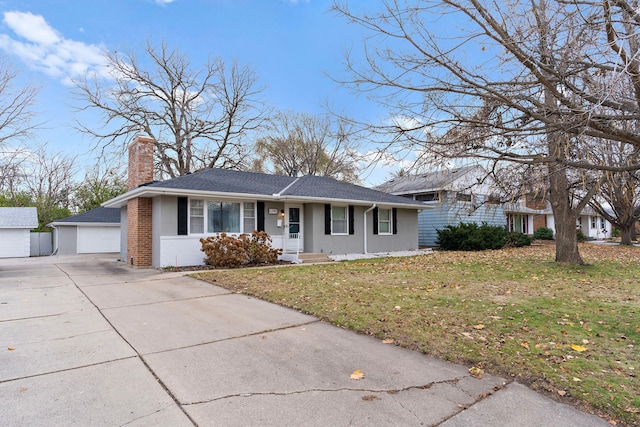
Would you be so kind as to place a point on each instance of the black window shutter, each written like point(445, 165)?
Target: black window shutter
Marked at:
point(394, 214)
point(327, 219)
point(182, 216)
point(352, 225)
point(375, 220)
point(260, 213)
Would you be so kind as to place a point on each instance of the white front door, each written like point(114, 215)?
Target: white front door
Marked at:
point(293, 233)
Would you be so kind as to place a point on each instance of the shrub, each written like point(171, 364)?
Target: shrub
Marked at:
point(471, 237)
point(543, 233)
point(223, 251)
point(517, 239)
point(580, 236)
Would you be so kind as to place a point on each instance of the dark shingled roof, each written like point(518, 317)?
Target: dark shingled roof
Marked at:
point(329, 188)
point(238, 182)
point(228, 181)
point(104, 215)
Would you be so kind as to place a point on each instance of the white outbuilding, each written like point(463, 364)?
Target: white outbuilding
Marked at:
point(15, 227)
point(91, 232)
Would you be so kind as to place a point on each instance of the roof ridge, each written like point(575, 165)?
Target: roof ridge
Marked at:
point(286, 188)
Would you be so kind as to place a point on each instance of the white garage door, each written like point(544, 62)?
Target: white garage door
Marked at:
point(93, 240)
point(14, 243)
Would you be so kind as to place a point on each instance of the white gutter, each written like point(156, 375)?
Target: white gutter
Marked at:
point(365, 225)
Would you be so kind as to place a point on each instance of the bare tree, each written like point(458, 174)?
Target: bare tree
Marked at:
point(102, 182)
point(311, 145)
point(198, 118)
point(618, 197)
point(16, 102)
point(41, 179)
point(532, 83)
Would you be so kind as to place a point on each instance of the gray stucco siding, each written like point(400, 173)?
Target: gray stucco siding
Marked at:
point(406, 238)
point(315, 240)
point(123, 233)
point(271, 221)
point(67, 240)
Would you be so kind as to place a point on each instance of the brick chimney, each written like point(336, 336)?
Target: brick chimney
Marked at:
point(139, 210)
point(140, 161)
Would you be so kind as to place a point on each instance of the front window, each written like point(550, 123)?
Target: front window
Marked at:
point(339, 219)
point(223, 217)
point(249, 217)
point(209, 216)
point(593, 222)
point(602, 224)
point(384, 221)
point(196, 216)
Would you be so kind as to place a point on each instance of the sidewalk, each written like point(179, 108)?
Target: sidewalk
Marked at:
point(87, 341)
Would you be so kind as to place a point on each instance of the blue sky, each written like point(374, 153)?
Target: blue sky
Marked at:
point(292, 45)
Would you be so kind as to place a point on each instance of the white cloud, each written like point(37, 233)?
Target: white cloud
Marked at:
point(43, 48)
point(163, 2)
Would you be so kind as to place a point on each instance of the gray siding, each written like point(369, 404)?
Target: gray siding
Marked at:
point(405, 240)
point(165, 222)
point(452, 212)
point(123, 234)
point(271, 221)
point(316, 241)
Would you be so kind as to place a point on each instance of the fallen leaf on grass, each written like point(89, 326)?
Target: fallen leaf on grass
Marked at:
point(388, 341)
point(525, 344)
point(562, 392)
point(479, 326)
point(357, 375)
point(476, 372)
point(577, 347)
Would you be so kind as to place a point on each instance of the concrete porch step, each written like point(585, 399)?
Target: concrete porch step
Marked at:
point(308, 258)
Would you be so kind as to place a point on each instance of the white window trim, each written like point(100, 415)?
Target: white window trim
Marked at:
point(346, 220)
point(390, 221)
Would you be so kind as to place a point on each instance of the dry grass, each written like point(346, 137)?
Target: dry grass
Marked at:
point(572, 332)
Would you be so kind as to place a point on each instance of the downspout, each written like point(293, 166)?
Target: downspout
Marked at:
point(365, 226)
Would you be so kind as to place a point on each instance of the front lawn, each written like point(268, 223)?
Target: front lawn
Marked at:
point(571, 332)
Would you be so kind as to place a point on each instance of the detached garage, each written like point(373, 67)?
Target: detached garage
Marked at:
point(95, 231)
point(15, 226)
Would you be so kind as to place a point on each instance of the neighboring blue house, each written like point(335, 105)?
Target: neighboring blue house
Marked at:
point(455, 195)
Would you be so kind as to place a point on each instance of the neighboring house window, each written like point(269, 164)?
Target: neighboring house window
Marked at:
point(249, 217)
point(433, 196)
point(196, 217)
point(602, 224)
point(519, 223)
point(462, 197)
point(223, 217)
point(594, 222)
point(339, 219)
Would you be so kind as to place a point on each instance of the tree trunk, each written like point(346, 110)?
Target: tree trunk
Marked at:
point(563, 212)
point(566, 238)
point(626, 234)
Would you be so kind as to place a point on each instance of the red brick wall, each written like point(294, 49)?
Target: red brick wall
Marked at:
point(539, 221)
point(140, 161)
point(139, 237)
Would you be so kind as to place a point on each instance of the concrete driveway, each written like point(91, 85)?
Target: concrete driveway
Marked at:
point(86, 340)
